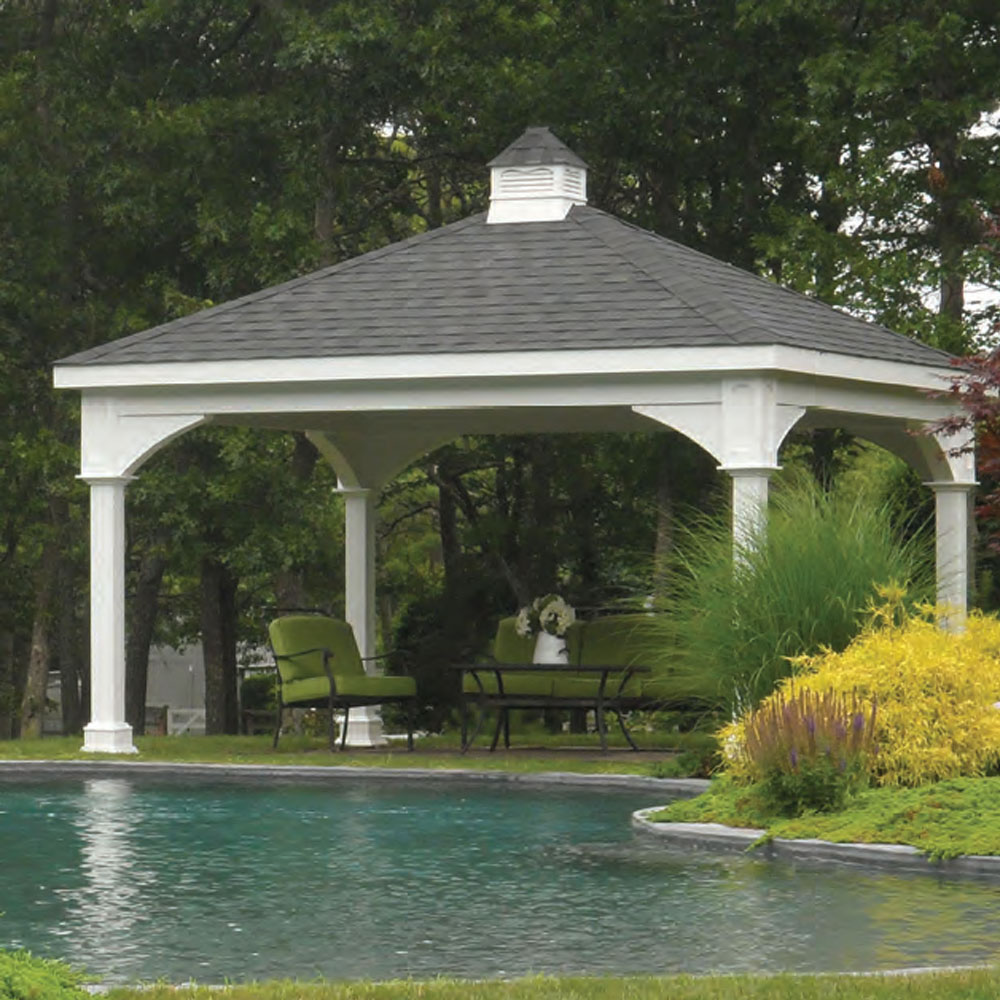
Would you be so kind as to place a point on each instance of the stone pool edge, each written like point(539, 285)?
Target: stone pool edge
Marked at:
point(673, 787)
point(900, 857)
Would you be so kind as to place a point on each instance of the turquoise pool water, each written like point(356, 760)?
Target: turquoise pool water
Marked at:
point(142, 880)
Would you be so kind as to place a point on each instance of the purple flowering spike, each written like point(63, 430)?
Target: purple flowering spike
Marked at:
point(811, 725)
point(793, 756)
point(858, 722)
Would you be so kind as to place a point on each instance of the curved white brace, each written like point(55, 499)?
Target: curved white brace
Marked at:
point(744, 429)
point(114, 443)
point(365, 462)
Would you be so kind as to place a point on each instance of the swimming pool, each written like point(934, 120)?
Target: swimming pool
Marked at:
point(144, 879)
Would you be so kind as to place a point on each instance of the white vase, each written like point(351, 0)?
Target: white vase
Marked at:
point(550, 649)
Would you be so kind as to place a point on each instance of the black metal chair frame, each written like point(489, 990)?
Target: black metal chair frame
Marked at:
point(335, 701)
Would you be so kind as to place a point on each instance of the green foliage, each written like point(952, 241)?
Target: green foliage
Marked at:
point(434, 633)
point(160, 157)
point(809, 751)
point(25, 977)
point(935, 689)
point(259, 692)
point(944, 820)
point(731, 626)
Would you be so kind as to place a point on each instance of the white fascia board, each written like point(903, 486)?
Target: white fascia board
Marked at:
point(519, 364)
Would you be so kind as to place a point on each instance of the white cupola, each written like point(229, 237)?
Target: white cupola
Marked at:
point(537, 178)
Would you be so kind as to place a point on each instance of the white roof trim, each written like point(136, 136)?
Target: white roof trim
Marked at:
point(503, 364)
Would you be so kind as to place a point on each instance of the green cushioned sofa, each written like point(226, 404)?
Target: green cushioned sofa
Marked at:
point(624, 643)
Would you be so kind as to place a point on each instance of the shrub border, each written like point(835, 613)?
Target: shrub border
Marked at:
point(901, 857)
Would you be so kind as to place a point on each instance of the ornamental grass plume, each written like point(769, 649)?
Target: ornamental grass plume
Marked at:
point(802, 587)
point(796, 728)
point(935, 691)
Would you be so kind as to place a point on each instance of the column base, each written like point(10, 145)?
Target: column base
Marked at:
point(108, 737)
point(364, 728)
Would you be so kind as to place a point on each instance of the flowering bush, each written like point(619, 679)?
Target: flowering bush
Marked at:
point(545, 614)
point(935, 691)
point(809, 750)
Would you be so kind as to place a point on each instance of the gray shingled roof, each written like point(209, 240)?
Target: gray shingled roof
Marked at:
point(589, 281)
point(537, 147)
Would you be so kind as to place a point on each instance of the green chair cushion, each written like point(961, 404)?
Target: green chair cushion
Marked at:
point(351, 686)
point(294, 634)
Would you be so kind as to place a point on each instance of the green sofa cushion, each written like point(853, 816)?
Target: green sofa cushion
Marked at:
point(509, 647)
point(576, 686)
point(616, 639)
point(351, 686)
point(518, 684)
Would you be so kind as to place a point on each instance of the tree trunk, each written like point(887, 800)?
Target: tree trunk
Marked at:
point(227, 604)
point(663, 548)
point(39, 659)
point(952, 238)
point(542, 557)
point(144, 607)
point(451, 547)
point(69, 656)
point(8, 690)
point(218, 631)
point(289, 586)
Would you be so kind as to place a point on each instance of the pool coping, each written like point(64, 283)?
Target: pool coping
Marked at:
point(673, 787)
point(898, 857)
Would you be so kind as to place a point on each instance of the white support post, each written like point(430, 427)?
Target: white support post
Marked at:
point(952, 503)
point(365, 723)
point(107, 731)
point(750, 486)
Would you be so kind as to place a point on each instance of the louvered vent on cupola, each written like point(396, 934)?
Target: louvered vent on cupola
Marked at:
point(536, 179)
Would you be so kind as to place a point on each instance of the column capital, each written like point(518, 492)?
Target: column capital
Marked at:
point(950, 486)
point(750, 470)
point(96, 479)
point(355, 491)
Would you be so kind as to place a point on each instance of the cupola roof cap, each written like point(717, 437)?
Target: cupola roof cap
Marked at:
point(537, 146)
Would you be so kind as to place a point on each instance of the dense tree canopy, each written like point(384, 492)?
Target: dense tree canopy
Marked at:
point(157, 156)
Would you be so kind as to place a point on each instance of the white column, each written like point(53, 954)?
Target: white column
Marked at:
point(107, 731)
point(952, 504)
point(364, 724)
point(750, 485)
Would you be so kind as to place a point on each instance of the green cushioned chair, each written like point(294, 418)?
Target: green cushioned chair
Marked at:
point(319, 666)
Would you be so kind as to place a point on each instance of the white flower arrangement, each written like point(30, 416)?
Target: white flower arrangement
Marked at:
point(545, 614)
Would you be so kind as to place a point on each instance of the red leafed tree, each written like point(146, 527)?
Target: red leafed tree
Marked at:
point(975, 387)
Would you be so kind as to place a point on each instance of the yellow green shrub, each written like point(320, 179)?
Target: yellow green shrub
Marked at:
point(934, 692)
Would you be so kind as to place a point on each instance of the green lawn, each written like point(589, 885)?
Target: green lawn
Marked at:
point(977, 984)
point(531, 752)
point(946, 819)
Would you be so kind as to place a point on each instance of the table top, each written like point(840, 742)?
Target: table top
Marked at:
point(527, 668)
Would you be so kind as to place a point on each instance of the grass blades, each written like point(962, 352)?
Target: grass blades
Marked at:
point(972, 984)
point(730, 626)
